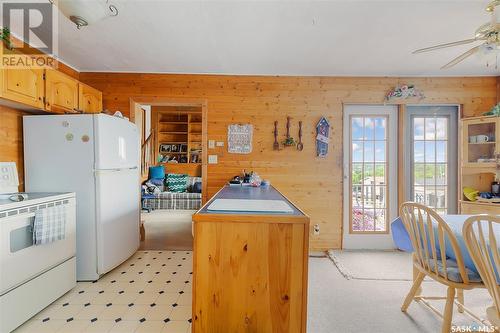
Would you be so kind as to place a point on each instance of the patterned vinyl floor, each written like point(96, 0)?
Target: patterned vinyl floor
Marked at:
point(150, 292)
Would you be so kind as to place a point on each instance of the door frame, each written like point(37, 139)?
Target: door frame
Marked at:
point(136, 101)
point(453, 154)
point(370, 240)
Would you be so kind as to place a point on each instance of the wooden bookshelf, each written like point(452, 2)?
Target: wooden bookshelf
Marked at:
point(178, 134)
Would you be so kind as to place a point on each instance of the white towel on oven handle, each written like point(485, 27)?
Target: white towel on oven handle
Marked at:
point(49, 225)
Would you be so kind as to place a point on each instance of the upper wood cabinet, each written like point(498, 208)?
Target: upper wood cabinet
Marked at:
point(61, 92)
point(23, 86)
point(89, 99)
point(480, 142)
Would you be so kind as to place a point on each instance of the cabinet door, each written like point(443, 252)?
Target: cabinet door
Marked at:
point(61, 92)
point(89, 99)
point(23, 86)
point(479, 142)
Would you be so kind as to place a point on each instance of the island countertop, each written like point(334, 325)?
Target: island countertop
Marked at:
point(250, 193)
point(250, 265)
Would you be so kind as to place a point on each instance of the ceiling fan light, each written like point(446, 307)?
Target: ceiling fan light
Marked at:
point(86, 12)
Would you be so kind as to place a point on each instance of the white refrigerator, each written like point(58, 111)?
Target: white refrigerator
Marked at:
point(96, 156)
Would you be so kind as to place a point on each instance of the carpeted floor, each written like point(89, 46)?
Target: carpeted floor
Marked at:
point(373, 265)
point(337, 304)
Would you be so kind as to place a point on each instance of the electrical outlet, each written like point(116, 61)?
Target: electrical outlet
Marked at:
point(212, 159)
point(211, 144)
point(219, 143)
point(316, 230)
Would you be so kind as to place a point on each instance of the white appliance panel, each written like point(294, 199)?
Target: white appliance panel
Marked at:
point(117, 143)
point(34, 259)
point(118, 209)
point(59, 158)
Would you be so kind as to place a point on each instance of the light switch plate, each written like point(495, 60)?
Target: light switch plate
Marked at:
point(211, 144)
point(212, 159)
point(219, 143)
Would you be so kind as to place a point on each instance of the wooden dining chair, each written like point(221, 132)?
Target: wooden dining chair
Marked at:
point(480, 234)
point(431, 238)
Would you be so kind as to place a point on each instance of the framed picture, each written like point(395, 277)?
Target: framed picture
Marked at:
point(183, 148)
point(174, 148)
point(165, 148)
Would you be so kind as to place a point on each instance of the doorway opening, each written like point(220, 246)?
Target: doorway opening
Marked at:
point(173, 160)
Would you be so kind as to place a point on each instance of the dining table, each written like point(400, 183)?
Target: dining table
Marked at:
point(456, 223)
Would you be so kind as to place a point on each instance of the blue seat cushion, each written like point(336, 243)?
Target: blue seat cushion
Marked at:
point(400, 236)
point(453, 271)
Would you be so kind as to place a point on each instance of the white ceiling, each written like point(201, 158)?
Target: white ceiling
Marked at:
point(358, 38)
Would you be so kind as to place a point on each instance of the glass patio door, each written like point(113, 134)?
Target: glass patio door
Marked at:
point(370, 175)
point(432, 157)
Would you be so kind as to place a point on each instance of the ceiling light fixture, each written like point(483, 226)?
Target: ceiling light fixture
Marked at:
point(85, 12)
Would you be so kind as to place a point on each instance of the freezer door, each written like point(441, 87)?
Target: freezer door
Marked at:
point(118, 208)
point(116, 143)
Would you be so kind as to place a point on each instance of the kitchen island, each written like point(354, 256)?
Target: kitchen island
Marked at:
point(250, 263)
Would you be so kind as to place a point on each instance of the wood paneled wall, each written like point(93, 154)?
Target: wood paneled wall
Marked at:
point(11, 139)
point(315, 184)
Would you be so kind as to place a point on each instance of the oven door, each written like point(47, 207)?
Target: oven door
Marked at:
point(20, 260)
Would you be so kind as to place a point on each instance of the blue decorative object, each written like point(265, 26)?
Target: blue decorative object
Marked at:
point(400, 236)
point(156, 172)
point(322, 133)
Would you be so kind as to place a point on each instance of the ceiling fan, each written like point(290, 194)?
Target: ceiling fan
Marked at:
point(489, 33)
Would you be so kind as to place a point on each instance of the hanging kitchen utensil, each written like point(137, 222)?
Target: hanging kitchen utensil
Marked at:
point(276, 145)
point(289, 141)
point(300, 145)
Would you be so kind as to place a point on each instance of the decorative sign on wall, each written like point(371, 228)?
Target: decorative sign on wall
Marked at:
point(404, 91)
point(322, 133)
point(239, 138)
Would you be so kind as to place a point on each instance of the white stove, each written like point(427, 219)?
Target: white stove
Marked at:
point(31, 276)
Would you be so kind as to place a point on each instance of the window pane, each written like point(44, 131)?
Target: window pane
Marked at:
point(357, 196)
point(418, 151)
point(369, 196)
point(357, 151)
point(418, 129)
point(369, 220)
point(441, 151)
point(441, 174)
point(380, 174)
point(430, 128)
point(357, 173)
point(430, 196)
point(380, 151)
point(368, 174)
point(380, 196)
point(369, 129)
point(418, 174)
point(357, 128)
point(430, 151)
point(430, 174)
point(380, 220)
point(380, 126)
point(441, 128)
point(357, 219)
point(440, 197)
point(419, 194)
point(369, 152)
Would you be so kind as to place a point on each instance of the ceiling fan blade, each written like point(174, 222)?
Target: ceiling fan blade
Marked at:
point(462, 57)
point(442, 46)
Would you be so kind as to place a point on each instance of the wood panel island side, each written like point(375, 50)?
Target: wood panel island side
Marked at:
point(250, 267)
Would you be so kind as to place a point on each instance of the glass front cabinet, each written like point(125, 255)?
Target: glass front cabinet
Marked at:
point(480, 138)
